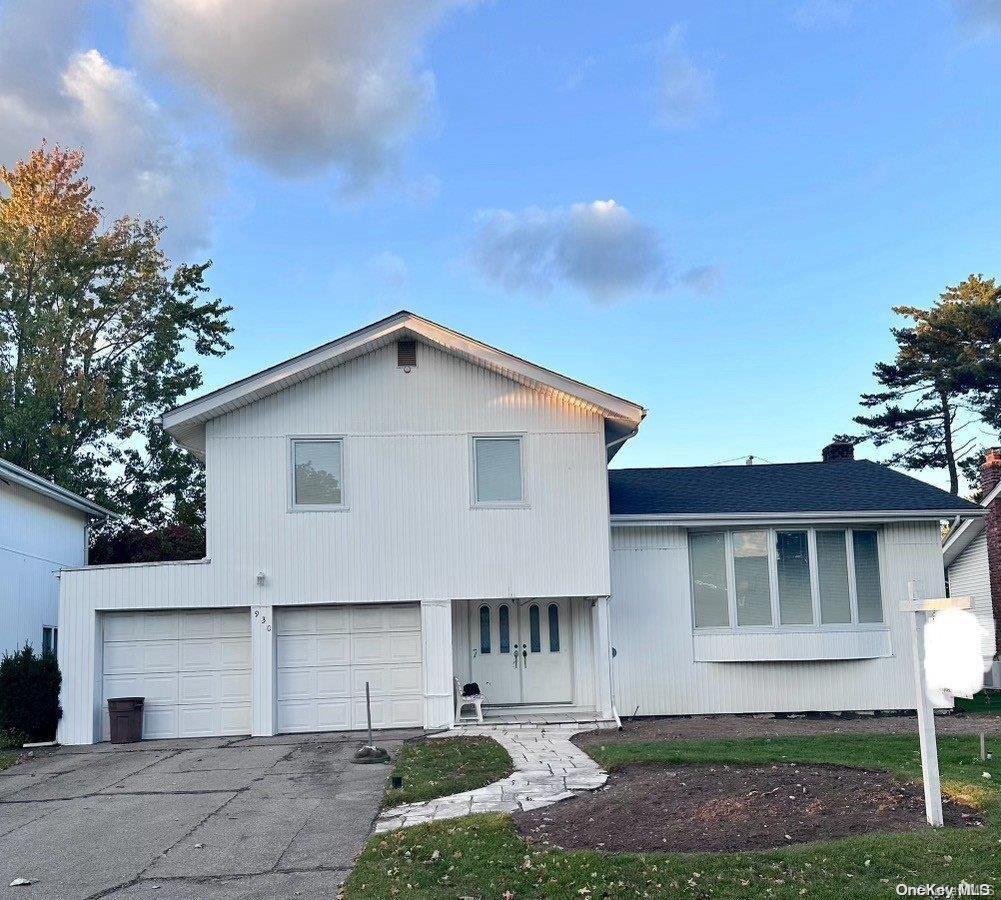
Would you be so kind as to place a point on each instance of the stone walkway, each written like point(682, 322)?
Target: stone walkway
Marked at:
point(548, 768)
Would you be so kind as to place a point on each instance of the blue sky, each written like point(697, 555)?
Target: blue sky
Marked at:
point(782, 174)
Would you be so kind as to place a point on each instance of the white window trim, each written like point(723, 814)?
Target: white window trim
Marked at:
point(294, 507)
point(497, 504)
point(776, 627)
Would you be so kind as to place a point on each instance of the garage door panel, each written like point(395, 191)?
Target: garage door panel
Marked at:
point(387, 679)
point(198, 683)
point(295, 650)
point(404, 617)
point(234, 686)
point(301, 620)
point(295, 684)
point(334, 682)
point(405, 646)
point(332, 649)
point(350, 645)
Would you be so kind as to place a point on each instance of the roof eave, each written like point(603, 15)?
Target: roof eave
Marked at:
point(185, 422)
point(13, 473)
point(820, 516)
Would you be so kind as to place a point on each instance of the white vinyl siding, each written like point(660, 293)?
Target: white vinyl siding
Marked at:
point(785, 578)
point(497, 471)
point(317, 473)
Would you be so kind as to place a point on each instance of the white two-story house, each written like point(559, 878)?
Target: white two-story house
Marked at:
point(406, 506)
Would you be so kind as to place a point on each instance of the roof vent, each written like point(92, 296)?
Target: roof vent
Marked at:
point(838, 451)
point(406, 354)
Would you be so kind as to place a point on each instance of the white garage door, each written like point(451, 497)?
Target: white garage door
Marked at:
point(193, 668)
point(327, 653)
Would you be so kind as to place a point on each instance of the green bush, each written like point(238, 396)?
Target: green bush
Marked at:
point(29, 694)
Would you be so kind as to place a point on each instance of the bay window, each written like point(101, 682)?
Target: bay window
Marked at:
point(776, 578)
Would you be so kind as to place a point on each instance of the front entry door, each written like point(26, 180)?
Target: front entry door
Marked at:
point(521, 652)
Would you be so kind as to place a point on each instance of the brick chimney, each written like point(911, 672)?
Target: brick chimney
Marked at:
point(838, 451)
point(990, 475)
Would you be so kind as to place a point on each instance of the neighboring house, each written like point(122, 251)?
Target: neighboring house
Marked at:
point(43, 528)
point(406, 505)
point(972, 556)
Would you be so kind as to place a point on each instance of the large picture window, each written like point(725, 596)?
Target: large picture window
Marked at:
point(777, 578)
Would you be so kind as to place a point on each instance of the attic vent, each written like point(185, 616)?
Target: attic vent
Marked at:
point(406, 354)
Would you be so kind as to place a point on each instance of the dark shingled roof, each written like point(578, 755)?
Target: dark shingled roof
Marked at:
point(841, 486)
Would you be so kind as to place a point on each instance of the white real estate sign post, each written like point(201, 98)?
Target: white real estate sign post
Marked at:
point(926, 712)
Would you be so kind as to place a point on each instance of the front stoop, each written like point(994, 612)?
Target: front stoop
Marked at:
point(548, 768)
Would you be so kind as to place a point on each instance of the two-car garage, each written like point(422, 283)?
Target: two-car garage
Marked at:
point(194, 667)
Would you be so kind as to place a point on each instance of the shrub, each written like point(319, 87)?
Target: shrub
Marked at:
point(29, 694)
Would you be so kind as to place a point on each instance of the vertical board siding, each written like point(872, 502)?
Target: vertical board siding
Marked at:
point(969, 577)
point(409, 531)
point(655, 672)
point(38, 536)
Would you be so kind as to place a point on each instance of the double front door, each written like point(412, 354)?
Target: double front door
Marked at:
point(521, 651)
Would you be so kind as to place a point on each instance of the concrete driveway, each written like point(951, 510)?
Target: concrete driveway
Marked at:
point(210, 817)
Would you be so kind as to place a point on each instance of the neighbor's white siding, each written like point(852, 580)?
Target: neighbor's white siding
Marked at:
point(655, 671)
point(38, 536)
point(409, 531)
point(969, 577)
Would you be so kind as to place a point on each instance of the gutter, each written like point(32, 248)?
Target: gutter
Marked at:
point(875, 515)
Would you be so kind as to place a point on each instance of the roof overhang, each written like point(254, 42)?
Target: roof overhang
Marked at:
point(186, 423)
point(13, 474)
point(826, 517)
point(964, 534)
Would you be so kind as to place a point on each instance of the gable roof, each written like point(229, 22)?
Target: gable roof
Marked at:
point(845, 488)
point(966, 532)
point(187, 422)
point(14, 474)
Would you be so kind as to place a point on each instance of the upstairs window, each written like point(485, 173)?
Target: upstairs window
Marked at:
point(50, 639)
point(497, 478)
point(317, 474)
point(785, 578)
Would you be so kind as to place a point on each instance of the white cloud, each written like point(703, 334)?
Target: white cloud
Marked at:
point(51, 91)
point(599, 248)
point(304, 84)
point(686, 89)
point(981, 19)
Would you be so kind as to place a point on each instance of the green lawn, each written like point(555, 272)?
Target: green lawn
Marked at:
point(483, 857)
point(6, 761)
point(442, 766)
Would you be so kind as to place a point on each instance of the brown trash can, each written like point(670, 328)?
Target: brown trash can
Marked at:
point(126, 715)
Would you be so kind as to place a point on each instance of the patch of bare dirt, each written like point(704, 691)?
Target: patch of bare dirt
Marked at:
point(709, 727)
point(722, 808)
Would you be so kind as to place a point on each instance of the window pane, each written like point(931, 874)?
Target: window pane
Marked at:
point(870, 600)
point(750, 578)
point(317, 473)
point(554, 628)
point(498, 470)
point(484, 629)
point(504, 626)
point(533, 629)
point(832, 566)
point(709, 579)
point(795, 598)
point(46, 640)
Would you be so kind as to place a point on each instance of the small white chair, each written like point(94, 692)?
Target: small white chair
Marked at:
point(461, 701)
